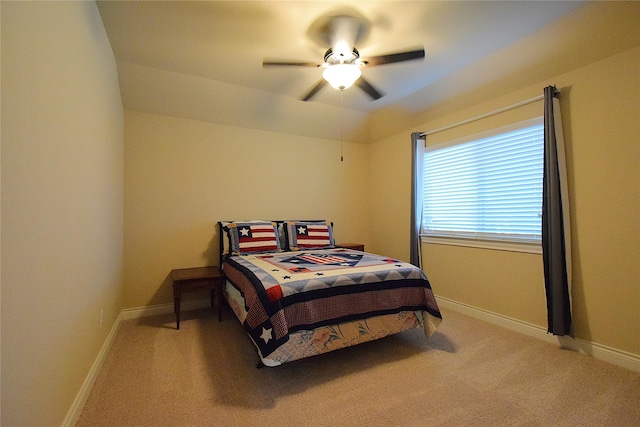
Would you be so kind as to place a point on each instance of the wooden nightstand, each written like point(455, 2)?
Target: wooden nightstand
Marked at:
point(354, 246)
point(197, 279)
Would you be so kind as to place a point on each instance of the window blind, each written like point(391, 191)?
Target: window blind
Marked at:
point(489, 188)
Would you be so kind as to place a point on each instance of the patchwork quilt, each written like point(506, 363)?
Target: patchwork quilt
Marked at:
point(302, 290)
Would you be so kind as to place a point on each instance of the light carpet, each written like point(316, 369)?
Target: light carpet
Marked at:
point(470, 373)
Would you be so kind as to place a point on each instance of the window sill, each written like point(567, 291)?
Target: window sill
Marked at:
point(532, 248)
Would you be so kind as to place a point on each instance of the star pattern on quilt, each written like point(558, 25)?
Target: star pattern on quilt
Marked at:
point(302, 230)
point(244, 231)
point(267, 334)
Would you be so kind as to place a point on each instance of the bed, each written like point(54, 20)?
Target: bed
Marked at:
point(298, 295)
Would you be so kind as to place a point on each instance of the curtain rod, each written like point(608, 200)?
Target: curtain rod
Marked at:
point(482, 116)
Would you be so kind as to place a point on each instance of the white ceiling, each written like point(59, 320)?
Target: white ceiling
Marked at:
point(203, 60)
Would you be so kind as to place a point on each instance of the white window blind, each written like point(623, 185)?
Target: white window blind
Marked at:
point(486, 188)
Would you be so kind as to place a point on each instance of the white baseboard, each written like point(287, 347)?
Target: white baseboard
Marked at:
point(152, 310)
point(83, 394)
point(602, 352)
point(129, 313)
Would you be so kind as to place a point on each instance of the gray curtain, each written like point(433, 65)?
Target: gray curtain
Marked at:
point(556, 235)
point(417, 148)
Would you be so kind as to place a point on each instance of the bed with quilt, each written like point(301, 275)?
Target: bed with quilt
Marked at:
point(298, 295)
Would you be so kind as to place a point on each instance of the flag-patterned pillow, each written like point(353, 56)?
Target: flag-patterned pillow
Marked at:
point(309, 235)
point(252, 237)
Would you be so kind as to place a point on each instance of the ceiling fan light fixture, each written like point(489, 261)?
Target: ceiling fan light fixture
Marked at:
point(342, 76)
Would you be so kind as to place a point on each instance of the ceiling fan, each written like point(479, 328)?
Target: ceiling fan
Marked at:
point(342, 62)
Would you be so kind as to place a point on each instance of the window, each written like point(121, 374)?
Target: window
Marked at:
point(487, 187)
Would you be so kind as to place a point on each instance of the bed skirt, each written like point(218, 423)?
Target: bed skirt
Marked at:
point(306, 343)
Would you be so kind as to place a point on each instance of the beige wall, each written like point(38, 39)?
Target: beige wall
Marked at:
point(389, 192)
point(600, 106)
point(62, 203)
point(182, 176)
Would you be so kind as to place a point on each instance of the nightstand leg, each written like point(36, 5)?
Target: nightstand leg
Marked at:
point(220, 304)
point(176, 307)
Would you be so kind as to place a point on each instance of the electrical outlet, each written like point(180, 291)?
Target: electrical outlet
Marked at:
point(101, 317)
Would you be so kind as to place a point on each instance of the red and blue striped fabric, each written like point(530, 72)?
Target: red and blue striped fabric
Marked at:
point(307, 235)
point(253, 238)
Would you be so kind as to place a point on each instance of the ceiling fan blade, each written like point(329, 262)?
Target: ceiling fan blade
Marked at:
point(276, 63)
point(395, 57)
point(363, 84)
point(322, 83)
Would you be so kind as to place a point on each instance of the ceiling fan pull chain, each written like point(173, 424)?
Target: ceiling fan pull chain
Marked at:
point(341, 129)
